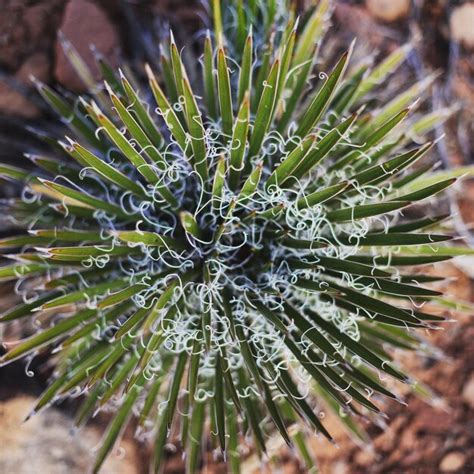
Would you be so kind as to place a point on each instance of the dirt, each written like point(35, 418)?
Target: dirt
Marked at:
point(22, 445)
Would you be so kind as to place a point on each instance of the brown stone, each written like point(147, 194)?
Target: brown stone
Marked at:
point(365, 457)
point(461, 24)
point(45, 444)
point(452, 462)
point(37, 65)
point(389, 10)
point(85, 24)
point(14, 102)
point(431, 421)
point(356, 21)
point(27, 29)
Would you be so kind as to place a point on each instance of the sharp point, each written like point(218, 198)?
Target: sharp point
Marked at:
point(413, 105)
point(30, 415)
point(352, 45)
point(297, 21)
point(149, 72)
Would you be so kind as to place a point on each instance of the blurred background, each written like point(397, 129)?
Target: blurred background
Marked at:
point(420, 438)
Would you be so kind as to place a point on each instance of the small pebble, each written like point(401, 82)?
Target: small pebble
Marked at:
point(389, 10)
point(452, 462)
point(462, 24)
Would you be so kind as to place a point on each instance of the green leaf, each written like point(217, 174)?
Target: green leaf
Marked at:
point(80, 253)
point(397, 104)
point(392, 239)
point(77, 373)
point(340, 266)
point(245, 75)
point(396, 288)
point(70, 115)
point(122, 295)
point(284, 171)
point(296, 399)
point(125, 146)
point(117, 380)
point(320, 196)
point(47, 336)
point(18, 270)
point(167, 112)
point(219, 182)
point(116, 426)
point(152, 133)
point(110, 316)
point(132, 321)
point(398, 260)
point(136, 131)
point(436, 251)
point(84, 198)
point(13, 173)
point(69, 235)
point(427, 222)
point(324, 146)
point(296, 84)
point(370, 304)
point(233, 442)
point(209, 81)
point(355, 347)
point(195, 437)
point(150, 401)
point(390, 167)
point(250, 185)
point(364, 211)
point(190, 224)
point(27, 309)
point(359, 154)
point(218, 24)
point(23, 240)
point(225, 98)
point(286, 54)
point(239, 142)
point(312, 33)
point(265, 110)
point(88, 159)
point(150, 239)
point(196, 131)
point(219, 403)
point(382, 71)
point(430, 121)
point(427, 192)
point(80, 295)
point(322, 99)
point(81, 68)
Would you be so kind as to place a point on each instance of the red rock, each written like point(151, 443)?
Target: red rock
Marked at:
point(431, 421)
point(85, 24)
point(15, 103)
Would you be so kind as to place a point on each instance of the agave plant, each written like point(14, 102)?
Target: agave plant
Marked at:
point(238, 253)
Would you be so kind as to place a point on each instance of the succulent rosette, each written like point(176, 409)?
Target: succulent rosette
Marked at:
point(234, 246)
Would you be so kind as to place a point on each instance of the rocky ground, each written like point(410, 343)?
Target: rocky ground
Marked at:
point(420, 438)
